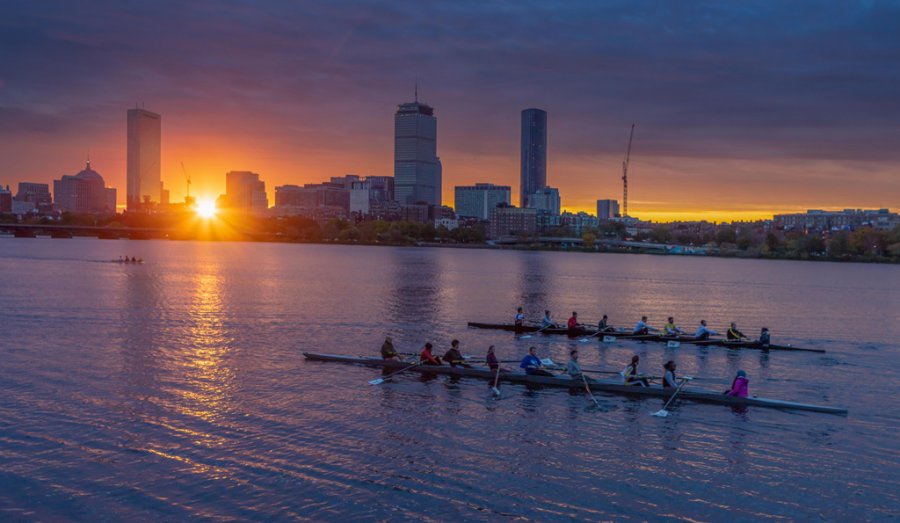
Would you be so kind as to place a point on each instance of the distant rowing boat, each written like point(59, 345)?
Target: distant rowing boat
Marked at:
point(626, 335)
point(612, 387)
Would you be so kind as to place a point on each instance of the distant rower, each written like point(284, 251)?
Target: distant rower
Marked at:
point(533, 365)
point(453, 356)
point(671, 329)
point(764, 339)
point(669, 379)
point(546, 322)
point(604, 325)
point(492, 362)
point(643, 327)
point(573, 322)
point(427, 358)
point(573, 368)
point(740, 386)
point(734, 334)
point(704, 332)
point(520, 317)
point(631, 373)
point(387, 350)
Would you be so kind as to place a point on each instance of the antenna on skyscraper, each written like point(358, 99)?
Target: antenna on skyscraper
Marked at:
point(625, 175)
point(417, 90)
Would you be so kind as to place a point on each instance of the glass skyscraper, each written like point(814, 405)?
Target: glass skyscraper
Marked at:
point(144, 133)
point(534, 153)
point(417, 169)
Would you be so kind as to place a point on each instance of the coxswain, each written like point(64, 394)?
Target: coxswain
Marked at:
point(491, 359)
point(520, 317)
point(764, 339)
point(573, 324)
point(604, 325)
point(734, 334)
point(631, 373)
point(704, 332)
point(740, 386)
point(573, 368)
point(426, 358)
point(643, 328)
point(671, 329)
point(533, 365)
point(669, 379)
point(453, 356)
point(387, 350)
point(546, 322)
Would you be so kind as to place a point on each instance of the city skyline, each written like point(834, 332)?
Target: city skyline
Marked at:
point(729, 124)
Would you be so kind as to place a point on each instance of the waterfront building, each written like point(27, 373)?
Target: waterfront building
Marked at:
point(37, 194)
point(85, 192)
point(417, 169)
point(607, 209)
point(245, 193)
point(341, 195)
point(818, 220)
point(545, 200)
point(6, 200)
point(579, 222)
point(143, 188)
point(476, 201)
point(512, 221)
point(534, 154)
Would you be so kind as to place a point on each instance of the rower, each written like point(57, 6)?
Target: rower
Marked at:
point(764, 339)
point(546, 322)
point(669, 379)
point(533, 365)
point(520, 317)
point(573, 324)
point(492, 362)
point(734, 334)
point(426, 358)
point(604, 325)
point(631, 373)
point(704, 332)
point(454, 357)
point(671, 329)
point(573, 368)
point(740, 386)
point(388, 352)
point(643, 328)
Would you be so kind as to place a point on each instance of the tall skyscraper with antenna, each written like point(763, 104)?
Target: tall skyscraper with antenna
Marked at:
point(143, 188)
point(417, 169)
point(534, 154)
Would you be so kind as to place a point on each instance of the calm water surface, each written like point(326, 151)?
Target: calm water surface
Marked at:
point(177, 389)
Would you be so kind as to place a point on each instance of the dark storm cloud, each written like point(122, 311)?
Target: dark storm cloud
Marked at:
point(708, 79)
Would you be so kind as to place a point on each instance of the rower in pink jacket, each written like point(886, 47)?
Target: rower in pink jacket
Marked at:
point(740, 385)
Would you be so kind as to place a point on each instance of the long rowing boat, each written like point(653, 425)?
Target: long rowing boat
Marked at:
point(612, 387)
point(582, 331)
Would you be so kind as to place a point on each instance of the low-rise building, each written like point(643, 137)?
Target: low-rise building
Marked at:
point(819, 220)
point(512, 221)
point(476, 201)
point(85, 192)
point(607, 209)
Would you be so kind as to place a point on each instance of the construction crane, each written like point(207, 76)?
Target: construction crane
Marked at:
point(625, 174)
point(187, 177)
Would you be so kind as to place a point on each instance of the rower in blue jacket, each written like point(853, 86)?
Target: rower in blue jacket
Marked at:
point(532, 364)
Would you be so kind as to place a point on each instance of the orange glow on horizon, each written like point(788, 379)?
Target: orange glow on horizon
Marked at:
point(206, 208)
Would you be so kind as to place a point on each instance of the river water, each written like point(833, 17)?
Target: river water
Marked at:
point(176, 389)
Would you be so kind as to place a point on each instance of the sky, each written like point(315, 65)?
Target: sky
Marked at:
point(742, 109)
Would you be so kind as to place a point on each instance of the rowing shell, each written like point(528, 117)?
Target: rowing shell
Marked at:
point(581, 331)
point(612, 387)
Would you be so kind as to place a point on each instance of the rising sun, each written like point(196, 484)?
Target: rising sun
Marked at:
point(206, 208)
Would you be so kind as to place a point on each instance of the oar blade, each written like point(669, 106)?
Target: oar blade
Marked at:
point(609, 339)
point(379, 381)
point(524, 337)
point(661, 413)
point(673, 344)
point(496, 391)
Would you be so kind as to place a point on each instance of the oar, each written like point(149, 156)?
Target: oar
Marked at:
point(379, 381)
point(588, 338)
point(527, 336)
point(588, 389)
point(662, 413)
point(496, 388)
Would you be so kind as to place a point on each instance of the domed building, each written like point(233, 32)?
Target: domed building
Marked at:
point(85, 193)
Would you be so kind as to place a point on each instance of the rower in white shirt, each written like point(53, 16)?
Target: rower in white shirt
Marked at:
point(643, 328)
point(704, 332)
